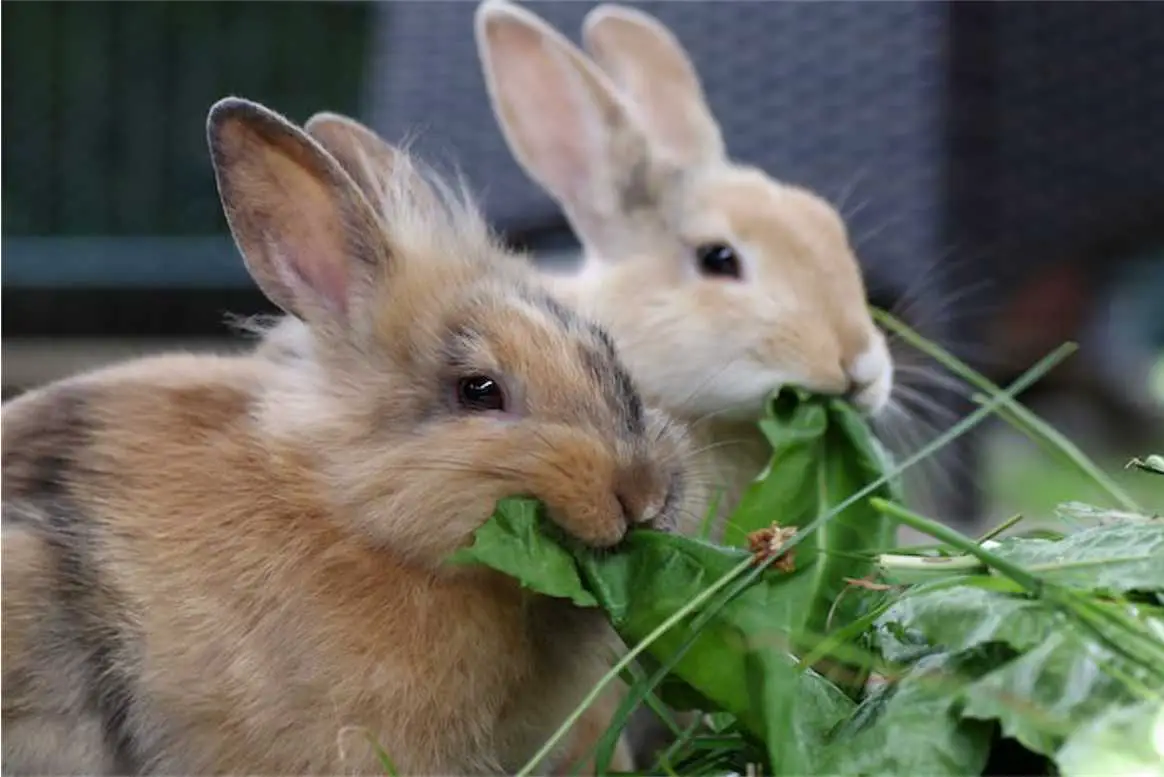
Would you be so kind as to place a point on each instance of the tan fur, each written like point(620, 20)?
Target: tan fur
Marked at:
point(234, 564)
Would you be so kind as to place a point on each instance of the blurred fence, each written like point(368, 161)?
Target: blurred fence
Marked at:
point(106, 179)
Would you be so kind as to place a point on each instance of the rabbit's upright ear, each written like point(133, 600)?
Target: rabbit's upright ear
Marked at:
point(560, 115)
point(363, 154)
point(649, 65)
point(308, 236)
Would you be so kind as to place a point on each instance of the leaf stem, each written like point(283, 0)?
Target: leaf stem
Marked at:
point(958, 540)
point(997, 530)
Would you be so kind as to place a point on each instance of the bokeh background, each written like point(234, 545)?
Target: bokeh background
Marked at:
point(1001, 166)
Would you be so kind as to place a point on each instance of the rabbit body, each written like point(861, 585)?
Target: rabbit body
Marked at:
point(181, 592)
point(219, 565)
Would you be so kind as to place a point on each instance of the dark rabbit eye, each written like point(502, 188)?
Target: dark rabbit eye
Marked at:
point(480, 393)
point(718, 259)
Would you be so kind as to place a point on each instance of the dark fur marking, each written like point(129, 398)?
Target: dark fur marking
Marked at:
point(636, 192)
point(69, 533)
point(617, 385)
point(603, 364)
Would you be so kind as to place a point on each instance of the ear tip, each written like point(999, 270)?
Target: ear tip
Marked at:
point(327, 119)
point(492, 15)
point(605, 13)
point(238, 113)
point(625, 16)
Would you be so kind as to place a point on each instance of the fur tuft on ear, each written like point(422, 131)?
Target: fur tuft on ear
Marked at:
point(560, 115)
point(308, 236)
point(649, 65)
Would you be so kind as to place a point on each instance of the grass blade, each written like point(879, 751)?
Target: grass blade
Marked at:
point(1015, 413)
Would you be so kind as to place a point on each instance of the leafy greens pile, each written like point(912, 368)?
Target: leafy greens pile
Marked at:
point(1048, 649)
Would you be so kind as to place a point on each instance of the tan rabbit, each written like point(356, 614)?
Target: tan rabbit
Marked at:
point(718, 283)
point(234, 565)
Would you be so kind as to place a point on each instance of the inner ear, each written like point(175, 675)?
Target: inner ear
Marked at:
point(307, 235)
point(651, 68)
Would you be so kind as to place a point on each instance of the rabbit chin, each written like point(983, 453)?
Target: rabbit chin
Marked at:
point(739, 393)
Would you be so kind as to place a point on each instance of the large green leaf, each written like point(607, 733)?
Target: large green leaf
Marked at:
point(1108, 559)
point(822, 453)
point(912, 727)
point(1121, 742)
point(1050, 690)
point(741, 660)
point(975, 611)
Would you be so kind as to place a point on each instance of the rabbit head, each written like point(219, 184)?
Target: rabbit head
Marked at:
point(438, 376)
point(719, 283)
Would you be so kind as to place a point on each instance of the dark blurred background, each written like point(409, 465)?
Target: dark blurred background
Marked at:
point(1001, 166)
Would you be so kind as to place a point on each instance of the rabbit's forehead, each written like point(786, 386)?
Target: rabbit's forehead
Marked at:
point(567, 363)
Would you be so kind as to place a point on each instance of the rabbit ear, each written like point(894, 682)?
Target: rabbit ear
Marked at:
point(308, 236)
point(363, 154)
point(647, 62)
point(561, 117)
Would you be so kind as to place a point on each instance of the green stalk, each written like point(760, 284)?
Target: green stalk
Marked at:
point(958, 540)
point(1021, 384)
point(997, 530)
point(1013, 412)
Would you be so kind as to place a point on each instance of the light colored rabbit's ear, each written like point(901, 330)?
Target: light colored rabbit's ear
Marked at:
point(308, 236)
point(646, 61)
point(560, 115)
point(364, 155)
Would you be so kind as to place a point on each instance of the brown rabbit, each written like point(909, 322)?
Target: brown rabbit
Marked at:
point(234, 565)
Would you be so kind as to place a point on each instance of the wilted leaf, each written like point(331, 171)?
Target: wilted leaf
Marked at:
point(911, 726)
point(1121, 742)
point(976, 611)
point(1050, 690)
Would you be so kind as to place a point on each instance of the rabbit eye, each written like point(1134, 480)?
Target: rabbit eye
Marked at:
point(718, 259)
point(479, 393)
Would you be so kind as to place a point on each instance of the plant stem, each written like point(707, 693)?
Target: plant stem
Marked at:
point(959, 541)
point(1013, 412)
point(997, 530)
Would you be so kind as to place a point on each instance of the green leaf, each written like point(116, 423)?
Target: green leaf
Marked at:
point(512, 542)
point(912, 728)
point(977, 611)
point(1122, 742)
point(741, 660)
point(1047, 692)
point(822, 453)
point(1112, 559)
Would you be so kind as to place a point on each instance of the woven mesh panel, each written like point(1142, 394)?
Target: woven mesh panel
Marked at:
point(841, 97)
point(1080, 115)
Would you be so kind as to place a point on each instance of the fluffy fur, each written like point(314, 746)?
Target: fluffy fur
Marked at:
point(628, 147)
point(635, 158)
point(233, 564)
